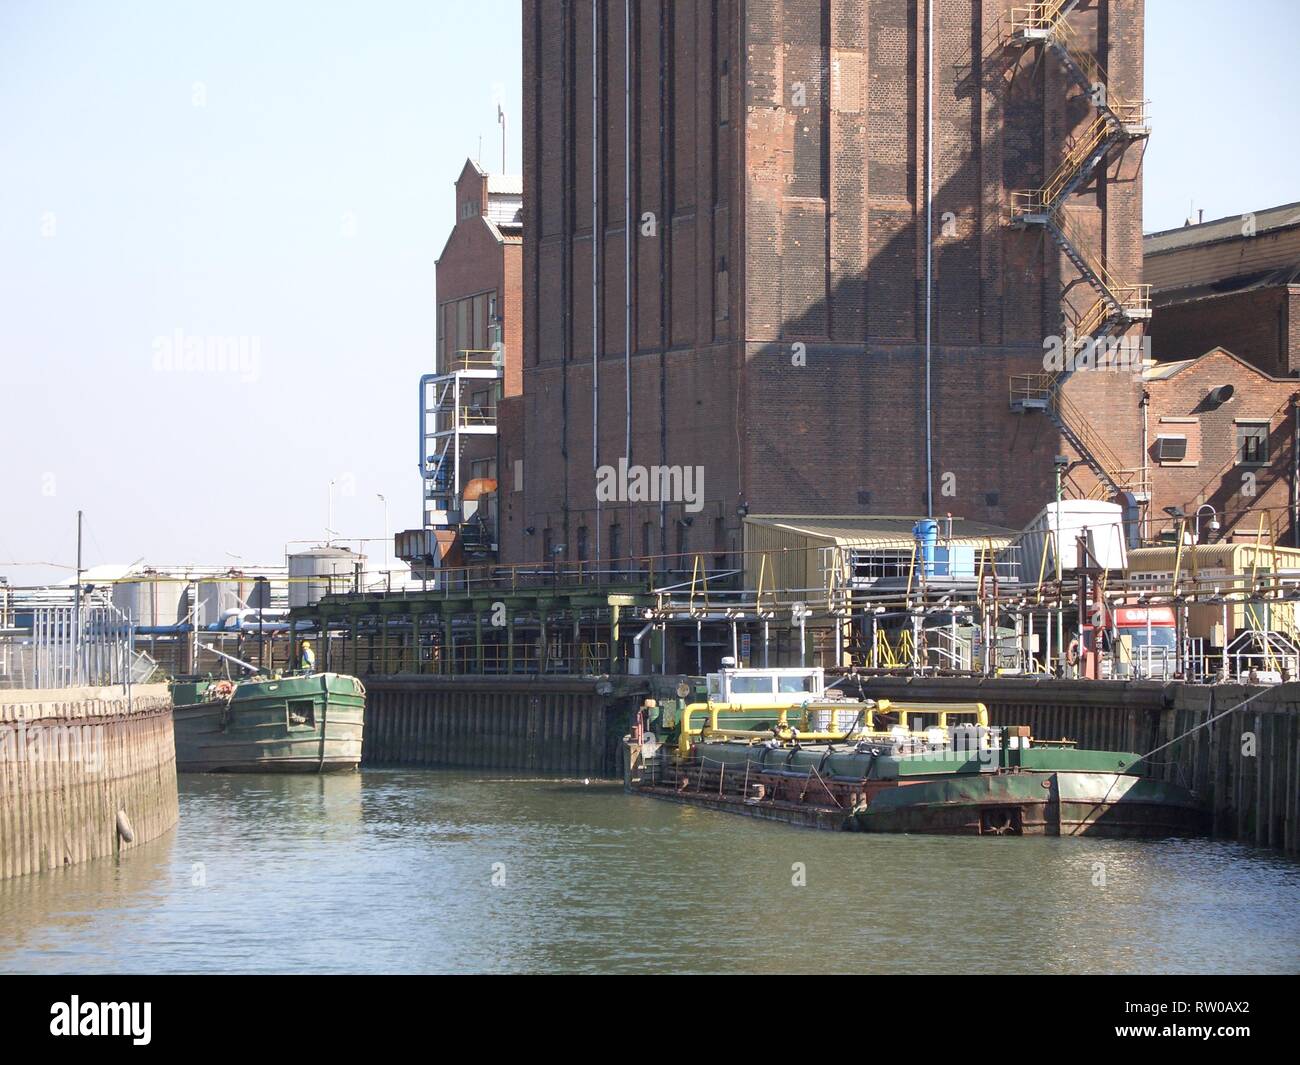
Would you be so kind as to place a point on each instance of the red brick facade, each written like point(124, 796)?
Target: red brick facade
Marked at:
point(1213, 472)
point(1261, 326)
point(778, 261)
point(480, 301)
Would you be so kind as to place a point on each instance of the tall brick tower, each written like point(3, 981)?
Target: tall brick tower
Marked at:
point(787, 315)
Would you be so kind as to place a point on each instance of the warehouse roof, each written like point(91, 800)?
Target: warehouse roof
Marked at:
point(857, 530)
point(1229, 228)
point(506, 184)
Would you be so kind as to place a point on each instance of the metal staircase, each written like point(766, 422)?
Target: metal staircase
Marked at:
point(1118, 304)
point(448, 418)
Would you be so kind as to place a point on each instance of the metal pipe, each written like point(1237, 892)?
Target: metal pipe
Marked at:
point(1144, 525)
point(596, 238)
point(627, 232)
point(1295, 471)
point(634, 667)
point(76, 603)
point(929, 253)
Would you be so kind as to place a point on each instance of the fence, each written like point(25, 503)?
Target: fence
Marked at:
point(70, 646)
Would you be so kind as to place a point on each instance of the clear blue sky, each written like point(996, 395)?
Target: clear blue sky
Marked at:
point(282, 172)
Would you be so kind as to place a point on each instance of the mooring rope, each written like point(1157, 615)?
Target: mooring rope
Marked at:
point(1177, 739)
point(1204, 724)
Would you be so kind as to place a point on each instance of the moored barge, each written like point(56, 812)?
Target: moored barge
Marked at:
point(875, 766)
point(310, 723)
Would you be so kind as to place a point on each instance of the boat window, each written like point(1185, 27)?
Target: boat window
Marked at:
point(751, 685)
point(795, 684)
point(302, 712)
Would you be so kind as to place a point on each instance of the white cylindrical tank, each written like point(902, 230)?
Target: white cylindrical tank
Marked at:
point(153, 600)
point(220, 595)
point(319, 572)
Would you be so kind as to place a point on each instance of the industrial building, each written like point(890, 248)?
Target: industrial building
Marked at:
point(854, 234)
point(818, 305)
point(1221, 440)
point(1232, 283)
point(476, 369)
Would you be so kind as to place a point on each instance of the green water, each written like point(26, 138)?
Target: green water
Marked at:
point(393, 871)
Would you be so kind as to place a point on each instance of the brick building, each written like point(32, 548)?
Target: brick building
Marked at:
point(1233, 283)
point(767, 321)
point(1221, 434)
point(477, 364)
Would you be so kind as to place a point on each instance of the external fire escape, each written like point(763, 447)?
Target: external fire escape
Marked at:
point(449, 416)
point(1118, 303)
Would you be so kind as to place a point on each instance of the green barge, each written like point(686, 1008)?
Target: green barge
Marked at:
point(871, 766)
point(298, 724)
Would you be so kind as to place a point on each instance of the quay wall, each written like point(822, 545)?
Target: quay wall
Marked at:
point(563, 725)
point(1247, 764)
point(84, 773)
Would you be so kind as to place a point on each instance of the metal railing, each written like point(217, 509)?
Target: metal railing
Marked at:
point(67, 646)
point(476, 359)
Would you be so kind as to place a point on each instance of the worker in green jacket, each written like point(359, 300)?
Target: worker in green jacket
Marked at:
point(307, 658)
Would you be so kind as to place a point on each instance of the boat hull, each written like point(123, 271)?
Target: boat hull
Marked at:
point(1058, 793)
point(1036, 804)
point(310, 724)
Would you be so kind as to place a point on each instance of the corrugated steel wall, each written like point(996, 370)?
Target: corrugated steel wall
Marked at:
point(69, 766)
point(475, 723)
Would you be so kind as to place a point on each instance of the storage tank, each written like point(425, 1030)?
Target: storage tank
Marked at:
point(926, 533)
point(319, 572)
point(232, 592)
point(154, 600)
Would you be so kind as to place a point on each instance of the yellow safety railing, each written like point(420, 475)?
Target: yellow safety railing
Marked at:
point(1043, 200)
point(1045, 387)
point(470, 418)
point(1128, 112)
point(699, 584)
point(476, 359)
point(1132, 297)
point(1041, 17)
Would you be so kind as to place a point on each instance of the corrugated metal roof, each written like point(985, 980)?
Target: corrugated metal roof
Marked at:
point(854, 530)
point(506, 184)
point(1231, 286)
point(1220, 229)
point(1237, 558)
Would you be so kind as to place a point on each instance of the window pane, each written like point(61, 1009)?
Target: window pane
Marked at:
point(1252, 443)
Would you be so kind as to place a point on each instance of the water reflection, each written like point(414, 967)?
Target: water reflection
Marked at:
point(407, 871)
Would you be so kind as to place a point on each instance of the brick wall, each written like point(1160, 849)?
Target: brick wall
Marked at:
point(476, 259)
point(1213, 473)
point(1261, 326)
point(780, 147)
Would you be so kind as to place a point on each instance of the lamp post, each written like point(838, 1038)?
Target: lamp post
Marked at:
point(1061, 463)
point(1180, 630)
point(387, 537)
